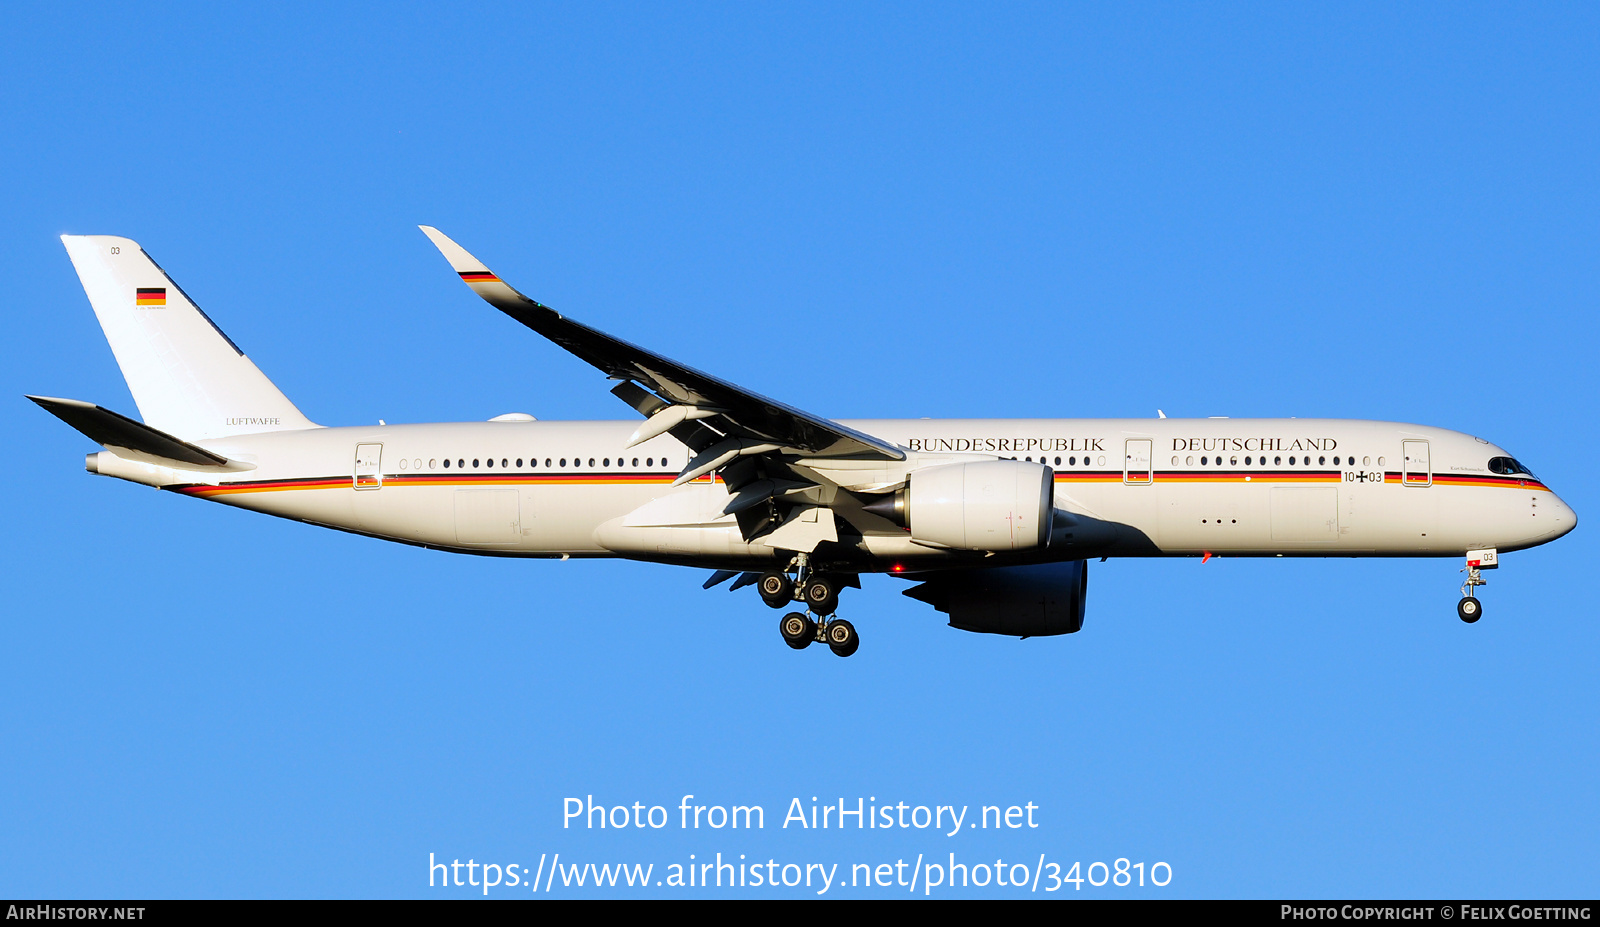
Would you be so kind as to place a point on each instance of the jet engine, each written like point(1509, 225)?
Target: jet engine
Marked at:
point(1022, 601)
point(982, 505)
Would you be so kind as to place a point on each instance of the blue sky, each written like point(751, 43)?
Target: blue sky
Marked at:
point(885, 211)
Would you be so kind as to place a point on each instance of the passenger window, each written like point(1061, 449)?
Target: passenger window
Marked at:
point(519, 463)
point(1233, 461)
point(447, 463)
point(1291, 461)
point(636, 461)
point(1277, 461)
point(591, 461)
point(1380, 461)
point(402, 463)
point(1058, 461)
point(433, 465)
point(1322, 461)
point(563, 461)
point(649, 461)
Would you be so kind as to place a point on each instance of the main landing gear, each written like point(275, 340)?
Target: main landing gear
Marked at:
point(801, 631)
point(1469, 609)
point(820, 594)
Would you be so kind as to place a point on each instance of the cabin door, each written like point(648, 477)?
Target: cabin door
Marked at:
point(369, 466)
point(1136, 461)
point(1415, 470)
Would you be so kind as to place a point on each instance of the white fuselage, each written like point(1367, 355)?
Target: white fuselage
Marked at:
point(1123, 487)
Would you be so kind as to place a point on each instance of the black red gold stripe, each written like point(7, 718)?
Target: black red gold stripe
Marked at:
point(1299, 476)
point(439, 479)
point(665, 479)
point(1206, 476)
point(478, 276)
point(1476, 479)
point(150, 296)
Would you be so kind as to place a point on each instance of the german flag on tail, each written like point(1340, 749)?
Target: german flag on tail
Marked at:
point(150, 296)
point(478, 276)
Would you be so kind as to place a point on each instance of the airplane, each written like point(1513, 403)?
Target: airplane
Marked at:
point(994, 521)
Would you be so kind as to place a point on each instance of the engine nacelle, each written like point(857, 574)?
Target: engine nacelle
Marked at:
point(983, 505)
point(1022, 601)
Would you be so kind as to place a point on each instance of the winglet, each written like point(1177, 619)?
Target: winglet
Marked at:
point(460, 261)
point(473, 272)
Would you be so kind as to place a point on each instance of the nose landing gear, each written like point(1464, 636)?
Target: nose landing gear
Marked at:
point(1469, 609)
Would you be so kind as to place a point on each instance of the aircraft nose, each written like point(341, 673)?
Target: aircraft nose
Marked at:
point(1562, 518)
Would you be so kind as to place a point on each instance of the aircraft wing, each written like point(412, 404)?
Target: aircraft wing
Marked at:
point(680, 396)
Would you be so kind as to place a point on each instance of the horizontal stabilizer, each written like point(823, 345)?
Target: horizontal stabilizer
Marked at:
point(118, 432)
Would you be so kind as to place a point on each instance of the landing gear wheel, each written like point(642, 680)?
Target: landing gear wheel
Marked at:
point(1470, 609)
point(842, 637)
point(821, 595)
point(776, 589)
point(798, 631)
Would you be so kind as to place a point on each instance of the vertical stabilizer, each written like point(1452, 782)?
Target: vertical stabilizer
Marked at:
point(188, 378)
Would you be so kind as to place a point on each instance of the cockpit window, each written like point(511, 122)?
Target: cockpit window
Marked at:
point(1508, 466)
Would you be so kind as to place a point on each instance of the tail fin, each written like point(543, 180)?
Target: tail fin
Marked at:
point(187, 377)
